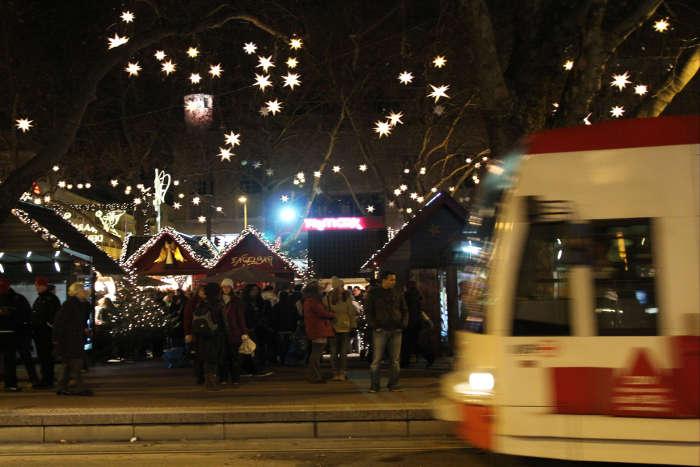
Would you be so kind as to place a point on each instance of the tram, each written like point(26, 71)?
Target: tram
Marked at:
point(581, 335)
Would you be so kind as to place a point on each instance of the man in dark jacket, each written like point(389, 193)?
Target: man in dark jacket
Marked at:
point(10, 321)
point(387, 315)
point(44, 311)
point(69, 330)
point(23, 334)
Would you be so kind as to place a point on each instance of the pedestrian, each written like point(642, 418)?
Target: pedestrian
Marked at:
point(409, 341)
point(339, 302)
point(44, 312)
point(23, 336)
point(387, 316)
point(284, 322)
point(190, 343)
point(317, 321)
point(69, 332)
point(236, 332)
point(209, 333)
point(258, 318)
point(10, 321)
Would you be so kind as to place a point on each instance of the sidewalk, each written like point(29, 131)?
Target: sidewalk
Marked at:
point(150, 402)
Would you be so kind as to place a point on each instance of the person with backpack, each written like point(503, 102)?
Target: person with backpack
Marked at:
point(339, 301)
point(209, 333)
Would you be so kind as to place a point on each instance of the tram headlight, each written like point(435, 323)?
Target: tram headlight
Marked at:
point(481, 381)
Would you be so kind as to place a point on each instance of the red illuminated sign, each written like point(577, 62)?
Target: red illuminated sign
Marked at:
point(341, 223)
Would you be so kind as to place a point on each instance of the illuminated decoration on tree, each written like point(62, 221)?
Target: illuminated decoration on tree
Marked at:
point(199, 109)
point(161, 183)
point(284, 198)
point(139, 311)
point(116, 41)
point(295, 43)
point(362, 168)
point(640, 89)
point(568, 65)
point(661, 25)
point(23, 124)
point(192, 52)
point(196, 200)
point(382, 128)
point(620, 81)
point(394, 118)
point(265, 63)
point(160, 55)
point(263, 111)
point(176, 205)
point(269, 172)
point(439, 91)
point(37, 228)
point(370, 209)
point(201, 219)
point(110, 219)
point(317, 174)
point(292, 63)
point(406, 77)
point(127, 17)
point(274, 106)
point(262, 81)
point(422, 171)
point(55, 168)
point(233, 139)
point(438, 110)
point(168, 67)
point(225, 154)
point(617, 111)
point(291, 80)
point(249, 48)
point(215, 70)
point(133, 69)
point(195, 78)
point(439, 61)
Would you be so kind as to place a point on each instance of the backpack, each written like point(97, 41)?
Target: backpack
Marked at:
point(202, 322)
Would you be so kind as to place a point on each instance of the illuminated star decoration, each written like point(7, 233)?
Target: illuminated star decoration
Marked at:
point(195, 200)
point(317, 174)
point(195, 78)
point(394, 118)
point(269, 172)
point(661, 25)
point(295, 43)
point(362, 168)
point(249, 48)
point(406, 77)
point(202, 219)
point(274, 106)
point(233, 139)
point(114, 182)
point(439, 61)
point(127, 17)
point(23, 124)
point(116, 41)
point(617, 111)
point(382, 128)
point(620, 81)
point(263, 111)
point(568, 65)
point(133, 69)
point(192, 52)
point(291, 80)
point(225, 154)
point(265, 63)
point(370, 208)
point(257, 164)
point(160, 55)
point(284, 198)
point(215, 70)
point(439, 91)
point(176, 205)
point(640, 89)
point(336, 169)
point(194, 105)
point(262, 81)
point(438, 110)
point(168, 67)
point(292, 62)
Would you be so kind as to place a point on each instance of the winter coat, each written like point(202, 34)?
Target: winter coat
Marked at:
point(413, 303)
point(215, 309)
point(317, 320)
point(345, 313)
point(235, 321)
point(15, 313)
point(257, 313)
point(386, 309)
point(285, 315)
point(187, 315)
point(69, 328)
point(44, 310)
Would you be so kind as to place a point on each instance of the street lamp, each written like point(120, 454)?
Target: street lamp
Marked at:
point(244, 201)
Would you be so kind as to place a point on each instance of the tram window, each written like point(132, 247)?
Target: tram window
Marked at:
point(625, 278)
point(542, 297)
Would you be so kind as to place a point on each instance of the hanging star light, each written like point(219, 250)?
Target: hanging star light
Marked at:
point(391, 204)
point(382, 128)
point(439, 91)
point(617, 111)
point(409, 210)
point(196, 200)
point(336, 169)
point(451, 188)
point(176, 205)
point(284, 198)
point(317, 174)
point(403, 187)
point(55, 168)
point(269, 172)
point(133, 69)
point(215, 70)
point(363, 167)
point(397, 192)
point(114, 182)
point(116, 41)
point(420, 199)
point(181, 195)
point(233, 139)
point(568, 65)
point(413, 195)
point(262, 81)
point(370, 208)
point(168, 67)
point(586, 120)
point(640, 89)
point(23, 124)
point(620, 81)
point(274, 107)
point(406, 77)
point(263, 111)
point(202, 219)
point(265, 63)
point(193, 52)
point(300, 175)
point(661, 25)
point(137, 201)
point(407, 171)
point(249, 48)
point(434, 189)
point(292, 62)
point(422, 171)
point(394, 118)
point(295, 43)
point(160, 55)
point(61, 184)
point(127, 17)
point(257, 164)
point(225, 154)
point(195, 78)
point(291, 80)
point(219, 209)
point(439, 61)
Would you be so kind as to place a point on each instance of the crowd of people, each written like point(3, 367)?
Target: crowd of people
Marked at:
point(229, 329)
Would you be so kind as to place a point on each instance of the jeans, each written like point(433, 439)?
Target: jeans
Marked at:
point(339, 352)
point(71, 371)
point(382, 340)
point(8, 350)
point(314, 368)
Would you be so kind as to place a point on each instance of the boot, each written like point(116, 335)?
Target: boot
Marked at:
point(211, 383)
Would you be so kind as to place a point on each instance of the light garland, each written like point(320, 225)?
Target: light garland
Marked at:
point(45, 234)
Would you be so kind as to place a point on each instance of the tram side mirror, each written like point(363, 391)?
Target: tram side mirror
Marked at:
point(579, 244)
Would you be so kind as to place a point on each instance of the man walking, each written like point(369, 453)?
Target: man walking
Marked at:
point(9, 322)
point(44, 311)
point(387, 316)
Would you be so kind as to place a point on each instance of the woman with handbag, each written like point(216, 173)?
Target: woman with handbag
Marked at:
point(339, 301)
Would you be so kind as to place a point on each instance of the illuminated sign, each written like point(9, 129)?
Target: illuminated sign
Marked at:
point(341, 223)
point(247, 260)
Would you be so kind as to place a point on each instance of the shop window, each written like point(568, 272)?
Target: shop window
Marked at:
point(542, 295)
point(625, 278)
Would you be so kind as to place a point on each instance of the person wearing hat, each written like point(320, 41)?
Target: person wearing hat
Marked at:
point(69, 330)
point(9, 322)
point(44, 311)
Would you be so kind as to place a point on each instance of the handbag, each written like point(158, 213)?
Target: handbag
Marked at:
point(247, 346)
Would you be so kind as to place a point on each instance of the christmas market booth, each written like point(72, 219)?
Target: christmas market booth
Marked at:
point(430, 249)
point(251, 258)
point(37, 241)
point(171, 257)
